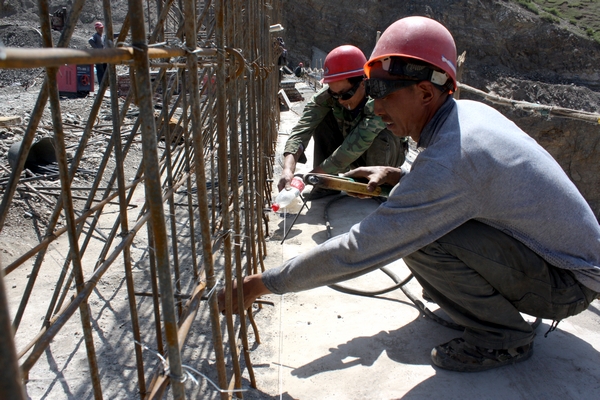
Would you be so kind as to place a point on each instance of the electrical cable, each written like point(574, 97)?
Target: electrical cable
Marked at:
point(398, 282)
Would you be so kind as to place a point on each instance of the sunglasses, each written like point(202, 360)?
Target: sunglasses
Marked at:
point(379, 88)
point(347, 95)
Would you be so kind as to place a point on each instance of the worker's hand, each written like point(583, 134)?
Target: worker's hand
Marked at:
point(377, 176)
point(253, 288)
point(286, 177)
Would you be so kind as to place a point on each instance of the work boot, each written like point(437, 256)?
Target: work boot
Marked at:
point(318, 193)
point(458, 355)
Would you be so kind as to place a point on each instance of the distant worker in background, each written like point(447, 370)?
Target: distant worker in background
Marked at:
point(340, 119)
point(97, 41)
point(282, 59)
point(299, 71)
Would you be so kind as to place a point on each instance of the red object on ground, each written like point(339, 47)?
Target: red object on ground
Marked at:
point(75, 78)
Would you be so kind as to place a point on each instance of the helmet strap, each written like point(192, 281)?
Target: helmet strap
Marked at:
point(416, 70)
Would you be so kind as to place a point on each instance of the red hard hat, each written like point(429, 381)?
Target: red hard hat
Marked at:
point(99, 25)
point(419, 38)
point(342, 63)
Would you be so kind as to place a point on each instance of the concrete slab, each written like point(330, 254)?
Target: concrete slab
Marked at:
point(323, 344)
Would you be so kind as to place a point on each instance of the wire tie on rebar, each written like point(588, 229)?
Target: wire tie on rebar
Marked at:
point(189, 49)
point(156, 353)
point(165, 365)
point(158, 44)
point(218, 283)
point(224, 234)
point(187, 374)
point(188, 369)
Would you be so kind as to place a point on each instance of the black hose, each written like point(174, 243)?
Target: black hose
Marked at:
point(398, 282)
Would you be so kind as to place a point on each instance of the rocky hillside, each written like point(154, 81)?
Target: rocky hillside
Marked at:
point(501, 38)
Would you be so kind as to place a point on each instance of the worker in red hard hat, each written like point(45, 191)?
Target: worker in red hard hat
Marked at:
point(98, 41)
point(486, 220)
point(340, 120)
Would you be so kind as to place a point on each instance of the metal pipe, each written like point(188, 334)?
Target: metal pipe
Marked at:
point(11, 58)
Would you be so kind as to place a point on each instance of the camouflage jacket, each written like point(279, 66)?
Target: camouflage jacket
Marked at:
point(358, 131)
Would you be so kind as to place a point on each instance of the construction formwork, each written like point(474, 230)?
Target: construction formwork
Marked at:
point(173, 211)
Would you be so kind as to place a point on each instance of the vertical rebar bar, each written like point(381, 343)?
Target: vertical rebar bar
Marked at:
point(153, 193)
point(74, 253)
point(199, 164)
point(11, 384)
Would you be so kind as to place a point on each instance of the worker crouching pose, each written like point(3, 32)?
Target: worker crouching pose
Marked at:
point(340, 119)
point(486, 220)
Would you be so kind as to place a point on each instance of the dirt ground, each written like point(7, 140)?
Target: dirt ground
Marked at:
point(29, 212)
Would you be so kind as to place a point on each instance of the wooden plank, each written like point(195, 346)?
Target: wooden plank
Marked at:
point(13, 120)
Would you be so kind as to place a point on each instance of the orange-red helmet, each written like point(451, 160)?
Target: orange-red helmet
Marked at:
point(343, 62)
point(418, 38)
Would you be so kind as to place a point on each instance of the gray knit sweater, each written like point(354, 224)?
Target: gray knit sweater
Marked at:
point(474, 164)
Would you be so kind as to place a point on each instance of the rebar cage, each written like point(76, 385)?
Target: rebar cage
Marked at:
point(172, 210)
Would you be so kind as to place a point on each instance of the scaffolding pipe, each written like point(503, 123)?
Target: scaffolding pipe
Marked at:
point(12, 58)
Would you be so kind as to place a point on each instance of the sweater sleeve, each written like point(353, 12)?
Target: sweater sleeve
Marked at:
point(360, 135)
point(427, 203)
point(314, 112)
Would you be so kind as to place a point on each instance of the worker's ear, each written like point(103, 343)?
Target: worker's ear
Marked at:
point(428, 93)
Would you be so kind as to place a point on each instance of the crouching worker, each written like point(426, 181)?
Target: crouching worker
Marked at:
point(340, 119)
point(487, 221)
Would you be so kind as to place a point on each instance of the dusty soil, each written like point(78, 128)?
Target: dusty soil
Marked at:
point(29, 212)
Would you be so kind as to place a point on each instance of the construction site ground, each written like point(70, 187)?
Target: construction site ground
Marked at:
point(324, 344)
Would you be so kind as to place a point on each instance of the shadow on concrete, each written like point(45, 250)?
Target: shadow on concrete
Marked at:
point(563, 365)
point(406, 345)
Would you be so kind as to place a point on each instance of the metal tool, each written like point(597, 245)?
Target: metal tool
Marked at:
point(336, 182)
point(345, 184)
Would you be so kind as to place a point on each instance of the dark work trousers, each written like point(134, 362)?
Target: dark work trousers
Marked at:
point(100, 70)
point(483, 278)
point(386, 150)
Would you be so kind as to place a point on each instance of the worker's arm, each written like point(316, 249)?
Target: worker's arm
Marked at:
point(359, 134)
point(289, 167)
point(377, 176)
point(253, 289)
point(314, 112)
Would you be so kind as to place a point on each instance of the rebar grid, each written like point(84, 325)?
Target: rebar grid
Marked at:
point(205, 162)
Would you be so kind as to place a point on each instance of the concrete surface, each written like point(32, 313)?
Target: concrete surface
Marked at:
point(323, 344)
